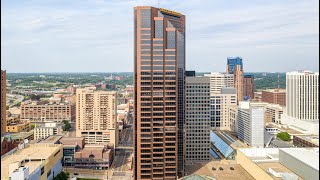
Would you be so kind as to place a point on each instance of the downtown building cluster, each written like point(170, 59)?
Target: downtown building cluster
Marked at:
point(181, 118)
point(174, 113)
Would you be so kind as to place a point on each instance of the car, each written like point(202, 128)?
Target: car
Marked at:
point(75, 174)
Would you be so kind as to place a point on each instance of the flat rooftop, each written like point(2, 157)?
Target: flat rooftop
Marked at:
point(308, 156)
point(279, 168)
point(37, 153)
point(52, 139)
point(205, 168)
point(285, 129)
point(312, 139)
point(20, 135)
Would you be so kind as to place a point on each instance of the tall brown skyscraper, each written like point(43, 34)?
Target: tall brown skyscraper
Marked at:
point(235, 67)
point(159, 77)
point(248, 87)
point(3, 101)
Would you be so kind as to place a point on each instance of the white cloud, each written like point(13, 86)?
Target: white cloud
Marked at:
point(102, 30)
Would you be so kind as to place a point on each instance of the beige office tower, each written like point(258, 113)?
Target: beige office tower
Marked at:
point(222, 95)
point(159, 82)
point(3, 101)
point(228, 98)
point(235, 67)
point(219, 80)
point(96, 116)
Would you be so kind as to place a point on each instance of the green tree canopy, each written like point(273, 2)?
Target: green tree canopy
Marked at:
point(284, 136)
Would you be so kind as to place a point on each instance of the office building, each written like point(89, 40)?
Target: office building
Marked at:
point(233, 124)
point(197, 118)
point(219, 80)
point(42, 131)
point(302, 95)
point(302, 101)
point(15, 125)
point(32, 161)
point(273, 113)
point(235, 67)
point(274, 96)
point(19, 127)
point(159, 82)
point(248, 87)
point(250, 120)
point(228, 98)
point(42, 111)
point(222, 95)
point(96, 116)
point(219, 104)
point(3, 101)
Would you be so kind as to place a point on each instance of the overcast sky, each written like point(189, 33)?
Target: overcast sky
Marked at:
point(97, 35)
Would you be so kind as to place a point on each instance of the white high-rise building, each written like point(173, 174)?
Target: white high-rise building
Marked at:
point(250, 119)
point(302, 95)
point(302, 101)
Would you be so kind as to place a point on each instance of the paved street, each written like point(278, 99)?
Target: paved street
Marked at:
point(126, 134)
point(123, 159)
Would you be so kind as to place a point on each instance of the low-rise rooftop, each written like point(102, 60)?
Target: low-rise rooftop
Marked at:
point(32, 156)
point(53, 139)
point(285, 129)
point(308, 156)
point(312, 139)
point(275, 166)
point(218, 169)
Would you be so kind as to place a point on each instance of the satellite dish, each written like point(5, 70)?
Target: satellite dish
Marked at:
point(26, 141)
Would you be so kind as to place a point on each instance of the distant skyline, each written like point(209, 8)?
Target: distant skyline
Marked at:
point(97, 35)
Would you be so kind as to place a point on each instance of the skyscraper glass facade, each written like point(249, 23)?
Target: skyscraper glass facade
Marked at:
point(159, 69)
point(232, 62)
